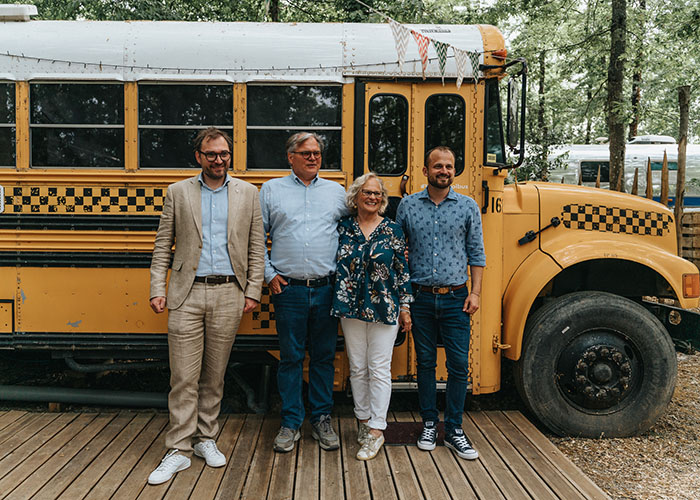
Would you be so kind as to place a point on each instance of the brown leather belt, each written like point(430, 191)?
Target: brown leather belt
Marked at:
point(440, 290)
point(215, 279)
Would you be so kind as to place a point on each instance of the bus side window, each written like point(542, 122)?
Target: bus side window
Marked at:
point(494, 151)
point(444, 125)
point(171, 115)
point(388, 134)
point(275, 112)
point(77, 124)
point(589, 171)
point(7, 125)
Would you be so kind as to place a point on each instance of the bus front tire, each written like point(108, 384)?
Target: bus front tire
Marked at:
point(594, 364)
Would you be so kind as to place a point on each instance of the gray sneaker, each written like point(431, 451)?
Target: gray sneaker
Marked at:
point(322, 431)
point(285, 439)
point(362, 433)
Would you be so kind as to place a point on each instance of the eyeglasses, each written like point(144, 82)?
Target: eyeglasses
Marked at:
point(308, 154)
point(211, 155)
point(369, 194)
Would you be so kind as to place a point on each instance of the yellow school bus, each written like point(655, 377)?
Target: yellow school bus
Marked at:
point(98, 121)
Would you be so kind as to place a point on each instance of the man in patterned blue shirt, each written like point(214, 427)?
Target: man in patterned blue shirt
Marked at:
point(444, 237)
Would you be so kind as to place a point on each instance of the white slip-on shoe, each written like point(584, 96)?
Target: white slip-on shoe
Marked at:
point(173, 463)
point(209, 452)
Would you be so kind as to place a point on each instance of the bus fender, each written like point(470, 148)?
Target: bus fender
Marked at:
point(532, 275)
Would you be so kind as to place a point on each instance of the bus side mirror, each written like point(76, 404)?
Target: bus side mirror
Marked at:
point(513, 118)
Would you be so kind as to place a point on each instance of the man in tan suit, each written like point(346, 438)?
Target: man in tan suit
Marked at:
point(217, 273)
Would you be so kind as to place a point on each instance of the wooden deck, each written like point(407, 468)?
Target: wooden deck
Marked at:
point(109, 455)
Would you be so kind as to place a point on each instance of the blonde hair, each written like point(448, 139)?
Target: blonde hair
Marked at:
point(354, 192)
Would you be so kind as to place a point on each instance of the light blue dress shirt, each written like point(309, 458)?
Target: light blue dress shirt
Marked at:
point(214, 258)
point(302, 222)
point(442, 239)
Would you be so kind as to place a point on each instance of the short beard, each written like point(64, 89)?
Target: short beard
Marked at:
point(434, 183)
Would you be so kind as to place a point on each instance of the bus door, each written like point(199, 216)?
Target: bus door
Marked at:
point(402, 122)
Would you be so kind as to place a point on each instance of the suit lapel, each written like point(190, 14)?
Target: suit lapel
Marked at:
point(195, 199)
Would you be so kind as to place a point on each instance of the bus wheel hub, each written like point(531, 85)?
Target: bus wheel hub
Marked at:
point(602, 376)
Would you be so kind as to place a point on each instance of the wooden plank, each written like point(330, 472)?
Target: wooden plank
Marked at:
point(211, 477)
point(19, 433)
point(308, 468)
point(332, 485)
point(381, 481)
point(44, 448)
point(258, 480)
point(62, 456)
point(544, 468)
point(522, 470)
point(89, 476)
point(183, 483)
point(7, 417)
point(53, 488)
point(282, 477)
point(136, 479)
point(112, 480)
point(583, 483)
point(354, 471)
point(690, 230)
point(406, 482)
point(501, 478)
point(239, 466)
point(452, 475)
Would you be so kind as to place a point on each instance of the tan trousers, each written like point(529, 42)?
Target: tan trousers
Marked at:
point(200, 336)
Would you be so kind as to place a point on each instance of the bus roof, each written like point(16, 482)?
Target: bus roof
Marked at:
point(231, 52)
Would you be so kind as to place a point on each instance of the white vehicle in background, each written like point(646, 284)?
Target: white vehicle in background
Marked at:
point(584, 160)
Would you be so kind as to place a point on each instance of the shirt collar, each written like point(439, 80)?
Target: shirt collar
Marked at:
point(297, 179)
point(200, 178)
point(451, 195)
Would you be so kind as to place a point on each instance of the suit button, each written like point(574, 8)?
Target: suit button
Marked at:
point(194, 268)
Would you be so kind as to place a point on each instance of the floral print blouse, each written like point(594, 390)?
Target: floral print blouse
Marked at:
point(372, 278)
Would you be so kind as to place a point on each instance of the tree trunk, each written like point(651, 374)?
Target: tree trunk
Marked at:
point(541, 124)
point(637, 77)
point(275, 11)
point(615, 108)
point(589, 98)
point(684, 105)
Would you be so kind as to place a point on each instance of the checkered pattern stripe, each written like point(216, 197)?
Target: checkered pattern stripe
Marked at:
point(84, 199)
point(264, 315)
point(615, 220)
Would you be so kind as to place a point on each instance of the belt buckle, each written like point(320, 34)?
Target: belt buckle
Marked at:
point(308, 282)
point(440, 290)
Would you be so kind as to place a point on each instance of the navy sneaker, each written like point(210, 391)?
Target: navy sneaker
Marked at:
point(428, 438)
point(458, 442)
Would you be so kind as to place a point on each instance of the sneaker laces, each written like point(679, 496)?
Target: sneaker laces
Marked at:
point(460, 440)
point(208, 447)
point(428, 433)
point(168, 461)
point(324, 424)
point(286, 433)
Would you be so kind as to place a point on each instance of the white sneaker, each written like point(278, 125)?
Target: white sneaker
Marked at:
point(209, 452)
point(173, 463)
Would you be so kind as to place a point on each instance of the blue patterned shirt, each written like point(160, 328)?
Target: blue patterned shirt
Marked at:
point(302, 222)
point(214, 258)
point(372, 277)
point(442, 239)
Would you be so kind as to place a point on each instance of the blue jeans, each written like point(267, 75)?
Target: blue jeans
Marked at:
point(442, 313)
point(303, 313)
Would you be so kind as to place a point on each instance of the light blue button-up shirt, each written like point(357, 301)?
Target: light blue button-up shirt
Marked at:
point(214, 258)
point(442, 239)
point(302, 222)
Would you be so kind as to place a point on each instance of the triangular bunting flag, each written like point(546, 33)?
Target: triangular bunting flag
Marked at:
point(441, 49)
point(474, 59)
point(400, 39)
point(422, 42)
point(461, 61)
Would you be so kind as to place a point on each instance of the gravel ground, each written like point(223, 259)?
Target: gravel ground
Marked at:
point(663, 463)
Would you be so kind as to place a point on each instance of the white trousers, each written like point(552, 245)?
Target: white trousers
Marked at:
point(369, 347)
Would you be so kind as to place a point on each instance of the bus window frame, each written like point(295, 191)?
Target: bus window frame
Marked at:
point(31, 125)
point(13, 124)
point(295, 128)
point(464, 130)
point(407, 139)
point(230, 129)
point(488, 83)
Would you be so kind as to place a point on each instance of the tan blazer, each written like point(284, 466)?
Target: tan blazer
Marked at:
point(181, 223)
